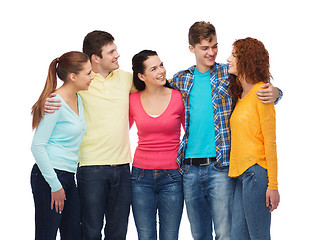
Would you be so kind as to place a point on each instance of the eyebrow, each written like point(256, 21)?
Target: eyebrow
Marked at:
point(155, 66)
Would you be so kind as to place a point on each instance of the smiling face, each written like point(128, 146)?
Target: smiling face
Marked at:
point(83, 79)
point(232, 61)
point(109, 60)
point(205, 53)
point(155, 73)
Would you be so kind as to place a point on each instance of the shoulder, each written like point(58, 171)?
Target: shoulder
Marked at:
point(176, 94)
point(177, 98)
point(133, 97)
point(184, 73)
point(123, 74)
point(222, 70)
point(223, 66)
point(56, 113)
point(125, 77)
point(257, 87)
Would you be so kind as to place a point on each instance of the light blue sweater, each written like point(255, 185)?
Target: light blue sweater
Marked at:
point(57, 140)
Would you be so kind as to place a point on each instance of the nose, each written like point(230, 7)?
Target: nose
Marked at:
point(211, 51)
point(162, 69)
point(228, 59)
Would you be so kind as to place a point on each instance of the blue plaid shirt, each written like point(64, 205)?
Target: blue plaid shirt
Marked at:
point(222, 108)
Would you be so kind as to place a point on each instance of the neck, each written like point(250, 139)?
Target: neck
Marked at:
point(153, 91)
point(246, 86)
point(202, 68)
point(101, 71)
point(67, 91)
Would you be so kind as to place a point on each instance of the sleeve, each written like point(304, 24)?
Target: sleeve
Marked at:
point(182, 112)
point(280, 96)
point(130, 115)
point(39, 149)
point(172, 83)
point(268, 127)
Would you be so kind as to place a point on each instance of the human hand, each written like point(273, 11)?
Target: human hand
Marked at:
point(58, 199)
point(272, 199)
point(52, 104)
point(268, 93)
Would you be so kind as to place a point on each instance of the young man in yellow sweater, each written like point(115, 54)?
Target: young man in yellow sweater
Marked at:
point(104, 173)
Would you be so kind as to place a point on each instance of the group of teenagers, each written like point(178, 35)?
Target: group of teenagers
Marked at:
point(224, 168)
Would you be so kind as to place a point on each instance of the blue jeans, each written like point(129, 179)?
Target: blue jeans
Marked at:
point(152, 191)
point(105, 191)
point(208, 193)
point(47, 220)
point(251, 217)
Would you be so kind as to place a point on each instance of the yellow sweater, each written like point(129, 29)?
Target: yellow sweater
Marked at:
point(253, 138)
point(105, 106)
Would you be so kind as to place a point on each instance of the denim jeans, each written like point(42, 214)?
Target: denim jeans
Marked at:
point(105, 191)
point(251, 217)
point(47, 220)
point(152, 191)
point(208, 193)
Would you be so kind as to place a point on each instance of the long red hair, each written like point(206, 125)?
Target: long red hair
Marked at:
point(70, 62)
point(252, 64)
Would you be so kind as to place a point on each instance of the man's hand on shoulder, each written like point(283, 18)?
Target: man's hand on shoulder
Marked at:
point(52, 104)
point(268, 93)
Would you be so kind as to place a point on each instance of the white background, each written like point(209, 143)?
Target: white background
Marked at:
point(35, 32)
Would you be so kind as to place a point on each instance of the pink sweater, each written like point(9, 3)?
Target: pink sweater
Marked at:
point(158, 138)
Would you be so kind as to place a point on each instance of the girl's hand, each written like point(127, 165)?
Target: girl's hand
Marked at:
point(272, 199)
point(58, 199)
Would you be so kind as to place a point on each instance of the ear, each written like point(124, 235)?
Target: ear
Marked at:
point(72, 77)
point(192, 49)
point(94, 58)
point(140, 76)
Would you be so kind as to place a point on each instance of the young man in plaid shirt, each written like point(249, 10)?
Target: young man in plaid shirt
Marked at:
point(204, 150)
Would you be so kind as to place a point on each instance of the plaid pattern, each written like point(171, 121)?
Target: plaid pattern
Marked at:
point(222, 107)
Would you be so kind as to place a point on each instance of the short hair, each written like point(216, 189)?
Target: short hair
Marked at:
point(95, 41)
point(199, 31)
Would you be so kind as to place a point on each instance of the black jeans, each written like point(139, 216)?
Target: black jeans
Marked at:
point(47, 220)
point(105, 191)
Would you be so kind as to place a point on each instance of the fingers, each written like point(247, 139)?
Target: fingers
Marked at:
point(58, 199)
point(51, 105)
point(265, 99)
point(265, 95)
point(52, 95)
point(266, 85)
point(273, 205)
point(272, 199)
point(59, 205)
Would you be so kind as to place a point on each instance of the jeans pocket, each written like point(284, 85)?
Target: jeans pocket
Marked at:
point(136, 174)
point(219, 168)
point(175, 176)
point(186, 168)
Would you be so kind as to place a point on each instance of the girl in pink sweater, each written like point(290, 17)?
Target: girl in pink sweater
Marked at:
point(158, 112)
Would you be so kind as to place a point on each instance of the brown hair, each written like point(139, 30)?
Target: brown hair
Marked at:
point(70, 62)
point(199, 31)
point(252, 64)
point(95, 41)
